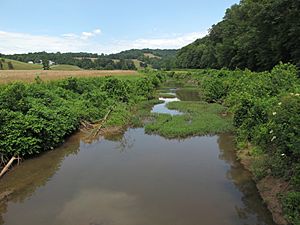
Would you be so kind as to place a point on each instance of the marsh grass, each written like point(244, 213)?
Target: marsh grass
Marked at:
point(166, 95)
point(142, 112)
point(199, 118)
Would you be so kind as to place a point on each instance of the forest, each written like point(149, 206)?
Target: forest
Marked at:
point(253, 34)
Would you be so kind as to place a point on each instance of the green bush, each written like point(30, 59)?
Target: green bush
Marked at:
point(291, 206)
point(37, 117)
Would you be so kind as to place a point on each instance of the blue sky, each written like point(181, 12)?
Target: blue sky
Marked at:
point(105, 26)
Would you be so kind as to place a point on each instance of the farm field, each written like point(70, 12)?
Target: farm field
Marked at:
point(17, 65)
point(7, 76)
point(65, 67)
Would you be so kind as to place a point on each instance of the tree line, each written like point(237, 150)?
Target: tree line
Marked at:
point(253, 34)
point(123, 61)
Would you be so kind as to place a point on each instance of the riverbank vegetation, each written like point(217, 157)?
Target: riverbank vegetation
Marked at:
point(38, 117)
point(198, 118)
point(265, 107)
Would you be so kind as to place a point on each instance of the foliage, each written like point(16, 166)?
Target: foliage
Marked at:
point(266, 112)
point(291, 206)
point(199, 118)
point(253, 34)
point(37, 117)
point(163, 59)
point(46, 65)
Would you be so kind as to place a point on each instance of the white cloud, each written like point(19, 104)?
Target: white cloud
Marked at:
point(97, 31)
point(176, 41)
point(11, 42)
point(21, 43)
point(86, 35)
point(173, 42)
point(70, 35)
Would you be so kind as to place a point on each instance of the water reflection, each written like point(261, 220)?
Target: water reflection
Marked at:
point(253, 207)
point(138, 180)
point(188, 94)
point(162, 108)
point(25, 179)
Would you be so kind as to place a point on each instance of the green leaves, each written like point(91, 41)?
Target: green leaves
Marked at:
point(37, 117)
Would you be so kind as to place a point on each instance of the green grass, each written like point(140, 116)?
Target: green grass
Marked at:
point(17, 65)
point(199, 118)
point(65, 67)
point(166, 95)
point(141, 112)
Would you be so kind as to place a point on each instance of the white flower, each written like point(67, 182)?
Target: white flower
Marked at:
point(274, 113)
point(273, 138)
point(297, 94)
point(280, 103)
point(292, 93)
point(282, 154)
point(271, 131)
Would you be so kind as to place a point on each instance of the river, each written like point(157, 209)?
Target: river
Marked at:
point(134, 179)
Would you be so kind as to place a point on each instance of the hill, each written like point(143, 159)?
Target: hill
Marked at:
point(126, 60)
point(17, 65)
point(253, 34)
point(65, 67)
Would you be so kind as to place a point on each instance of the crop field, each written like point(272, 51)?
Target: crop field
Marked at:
point(7, 76)
point(65, 67)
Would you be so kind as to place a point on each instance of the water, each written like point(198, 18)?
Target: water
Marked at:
point(138, 179)
point(161, 108)
point(188, 94)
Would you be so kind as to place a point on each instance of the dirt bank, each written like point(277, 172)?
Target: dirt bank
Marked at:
point(270, 188)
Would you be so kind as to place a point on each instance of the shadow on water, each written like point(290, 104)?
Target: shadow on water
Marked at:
point(253, 203)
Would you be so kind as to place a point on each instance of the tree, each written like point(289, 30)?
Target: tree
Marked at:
point(253, 34)
point(10, 66)
point(46, 64)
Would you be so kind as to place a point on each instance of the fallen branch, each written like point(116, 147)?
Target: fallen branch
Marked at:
point(10, 162)
point(102, 123)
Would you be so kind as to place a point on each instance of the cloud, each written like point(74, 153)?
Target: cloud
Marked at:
point(97, 31)
point(70, 35)
point(173, 42)
point(87, 35)
point(102, 207)
point(12, 42)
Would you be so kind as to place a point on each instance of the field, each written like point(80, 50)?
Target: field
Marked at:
point(150, 55)
point(65, 67)
point(7, 76)
point(17, 65)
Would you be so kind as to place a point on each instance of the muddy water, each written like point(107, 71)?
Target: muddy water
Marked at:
point(138, 179)
point(188, 94)
point(161, 108)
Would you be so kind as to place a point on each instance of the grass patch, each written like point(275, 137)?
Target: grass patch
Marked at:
point(17, 65)
point(65, 67)
point(166, 95)
point(142, 112)
point(200, 118)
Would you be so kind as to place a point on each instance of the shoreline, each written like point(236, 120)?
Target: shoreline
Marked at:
point(269, 187)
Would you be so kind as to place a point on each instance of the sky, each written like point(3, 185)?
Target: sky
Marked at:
point(104, 26)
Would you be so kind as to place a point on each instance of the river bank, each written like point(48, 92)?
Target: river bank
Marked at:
point(271, 189)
